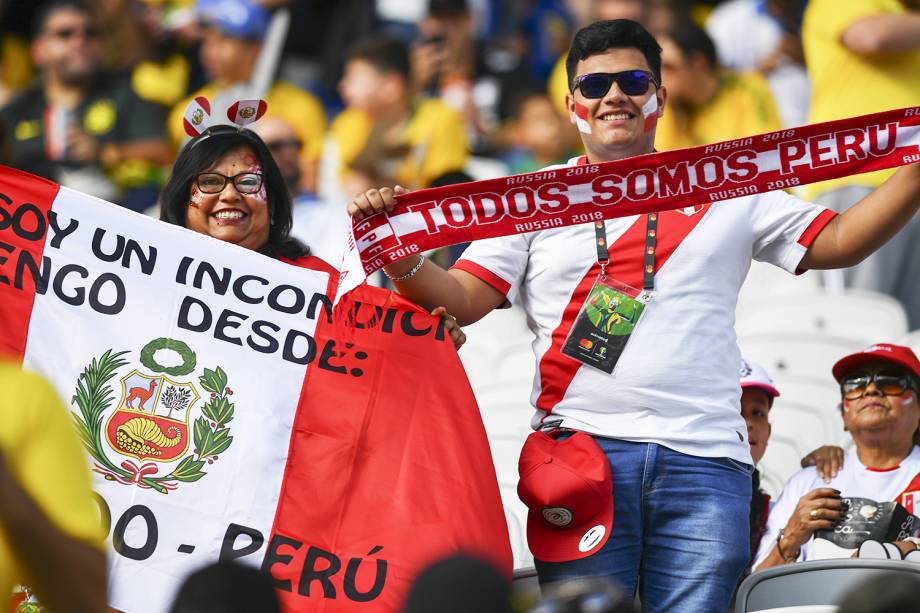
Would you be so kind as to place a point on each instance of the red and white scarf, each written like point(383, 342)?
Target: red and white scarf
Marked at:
point(442, 216)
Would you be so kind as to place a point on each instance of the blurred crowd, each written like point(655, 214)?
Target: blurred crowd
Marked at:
point(365, 93)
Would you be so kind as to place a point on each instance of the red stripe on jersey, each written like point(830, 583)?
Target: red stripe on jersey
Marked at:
point(814, 229)
point(882, 470)
point(23, 198)
point(626, 259)
point(483, 274)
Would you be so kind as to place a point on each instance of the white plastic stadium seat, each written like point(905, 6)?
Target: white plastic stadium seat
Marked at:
point(865, 317)
point(504, 408)
point(782, 459)
point(506, 450)
point(516, 516)
point(912, 340)
point(500, 332)
point(821, 392)
point(770, 482)
point(814, 584)
point(800, 354)
point(499, 363)
point(766, 280)
point(809, 427)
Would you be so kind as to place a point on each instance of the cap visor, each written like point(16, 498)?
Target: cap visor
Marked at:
point(769, 389)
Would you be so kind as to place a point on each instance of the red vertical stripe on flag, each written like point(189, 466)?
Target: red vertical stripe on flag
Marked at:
point(626, 258)
point(386, 471)
point(25, 202)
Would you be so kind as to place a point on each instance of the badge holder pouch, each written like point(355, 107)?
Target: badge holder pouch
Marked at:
point(612, 310)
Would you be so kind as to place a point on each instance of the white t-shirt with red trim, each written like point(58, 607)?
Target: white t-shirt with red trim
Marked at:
point(899, 484)
point(677, 381)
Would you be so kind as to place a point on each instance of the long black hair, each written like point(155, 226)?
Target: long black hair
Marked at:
point(200, 153)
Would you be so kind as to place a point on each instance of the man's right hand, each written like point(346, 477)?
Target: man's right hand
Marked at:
point(466, 297)
point(375, 201)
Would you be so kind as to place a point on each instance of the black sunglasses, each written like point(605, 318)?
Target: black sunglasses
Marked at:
point(630, 82)
point(855, 387)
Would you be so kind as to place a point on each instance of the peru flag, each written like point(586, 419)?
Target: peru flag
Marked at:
point(197, 116)
point(225, 419)
point(582, 113)
point(650, 113)
point(244, 112)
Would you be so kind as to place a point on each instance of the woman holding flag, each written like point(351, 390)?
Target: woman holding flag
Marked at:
point(226, 184)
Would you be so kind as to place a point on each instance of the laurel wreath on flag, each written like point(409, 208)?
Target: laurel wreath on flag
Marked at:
point(148, 358)
point(94, 396)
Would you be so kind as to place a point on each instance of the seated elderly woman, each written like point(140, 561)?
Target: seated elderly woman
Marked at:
point(226, 184)
point(879, 388)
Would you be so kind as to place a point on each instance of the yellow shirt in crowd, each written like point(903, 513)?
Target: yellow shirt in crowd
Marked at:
point(41, 449)
point(845, 84)
point(558, 86)
point(297, 107)
point(743, 106)
point(436, 135)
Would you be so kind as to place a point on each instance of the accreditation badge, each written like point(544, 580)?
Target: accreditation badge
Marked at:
point(605, 323)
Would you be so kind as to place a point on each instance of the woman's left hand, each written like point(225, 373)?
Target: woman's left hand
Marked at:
point(827, 460)
point(457, 336)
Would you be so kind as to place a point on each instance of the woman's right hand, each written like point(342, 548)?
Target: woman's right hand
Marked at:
point(375, 201)
point(819, 509)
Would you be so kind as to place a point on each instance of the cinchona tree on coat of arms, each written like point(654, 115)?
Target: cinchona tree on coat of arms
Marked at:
point(144, 441)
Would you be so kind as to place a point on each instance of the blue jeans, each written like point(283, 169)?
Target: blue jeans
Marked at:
point(680, 529)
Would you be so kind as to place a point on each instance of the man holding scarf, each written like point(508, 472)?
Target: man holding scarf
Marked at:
point(663, 406)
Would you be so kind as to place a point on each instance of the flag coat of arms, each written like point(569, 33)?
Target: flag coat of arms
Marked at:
point(225, 417)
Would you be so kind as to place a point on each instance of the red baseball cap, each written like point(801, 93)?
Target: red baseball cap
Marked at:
point(896, 354)
point(567, 486)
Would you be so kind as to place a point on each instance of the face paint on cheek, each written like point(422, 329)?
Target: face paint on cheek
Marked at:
point(650, 113)
point(195, 200)
point(255, 168)
point(581, 118)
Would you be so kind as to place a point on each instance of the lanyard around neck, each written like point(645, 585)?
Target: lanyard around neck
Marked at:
point(651, 241)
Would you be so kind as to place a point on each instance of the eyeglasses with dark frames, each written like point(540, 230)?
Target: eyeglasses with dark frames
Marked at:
point(630, 82)
point(214, 182)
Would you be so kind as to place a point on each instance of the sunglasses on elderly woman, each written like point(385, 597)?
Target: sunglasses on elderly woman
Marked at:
point(855, 387)
point(214, 182)
point(630, 82)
